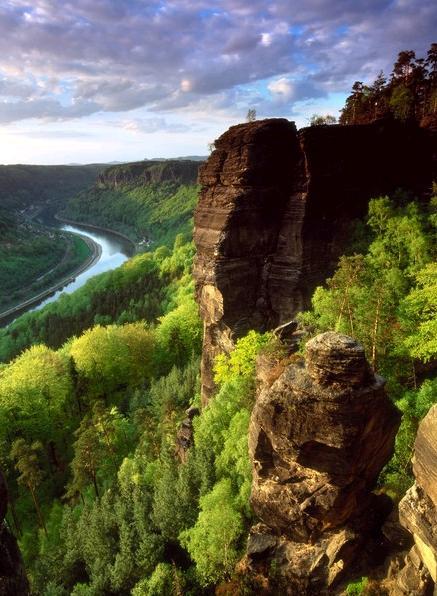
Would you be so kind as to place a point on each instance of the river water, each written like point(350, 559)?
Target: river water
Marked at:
point(115, 251)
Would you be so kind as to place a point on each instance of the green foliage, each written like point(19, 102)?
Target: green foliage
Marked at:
point(113, 356)
point(241, 361)
point(144, 287)
point(26, 458)
point(213, 541)
point(419, 315)
point(173, 509)
point(165, 579)
point(409, 93)
point(387, 299)
point(221, 465)
point(147, 201)
point(319, 120)
point(368, 296)
point(357, 587)
point(26, 462)
point(33, 257)
point(43, 187)
point(179, 334)
point(401, 102)
point(34, 391)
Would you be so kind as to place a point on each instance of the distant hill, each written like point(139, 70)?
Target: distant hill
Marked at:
point(149, 201)
point(48, 187)
point(183, 158)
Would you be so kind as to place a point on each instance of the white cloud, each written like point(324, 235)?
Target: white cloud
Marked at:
point(282, 87)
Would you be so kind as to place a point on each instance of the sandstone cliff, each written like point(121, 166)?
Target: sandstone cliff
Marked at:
point(13, 580)
point(275, 213)
point(319, 437)
point(418, 514)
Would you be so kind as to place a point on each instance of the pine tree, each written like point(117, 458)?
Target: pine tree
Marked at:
point(26, 459)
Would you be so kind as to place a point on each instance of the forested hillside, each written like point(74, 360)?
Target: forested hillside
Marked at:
point(43, 187)
point(33, 256)
point(107, 496)
point(149, 201)
point(142, 288)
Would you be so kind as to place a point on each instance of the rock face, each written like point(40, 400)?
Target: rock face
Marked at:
point(418, 509)
point(13, 580)
point(275, 213)
point(319, 436)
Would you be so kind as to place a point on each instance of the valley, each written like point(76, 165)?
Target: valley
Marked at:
point(160, 193)
point(237, 396)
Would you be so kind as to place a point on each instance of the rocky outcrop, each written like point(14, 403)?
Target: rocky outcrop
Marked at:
point(185, 434)
point(13, 580)
point(319, 437)
point(418, 513)
point(149, 172)
point(275, 213)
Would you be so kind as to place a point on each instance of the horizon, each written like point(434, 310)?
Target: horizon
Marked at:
point(120, 81)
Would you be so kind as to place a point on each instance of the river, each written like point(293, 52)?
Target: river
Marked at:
point(115, 250)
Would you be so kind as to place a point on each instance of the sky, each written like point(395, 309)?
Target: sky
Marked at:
point(86, 81)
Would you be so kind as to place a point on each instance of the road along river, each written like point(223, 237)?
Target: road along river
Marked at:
point(110, 251)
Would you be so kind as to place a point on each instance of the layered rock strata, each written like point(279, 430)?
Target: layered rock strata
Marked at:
point(275, 213)
point(319, 437)
point(13, 580)
point(418, 512)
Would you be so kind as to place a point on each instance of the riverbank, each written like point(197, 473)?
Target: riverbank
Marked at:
point(101, 228)
point(94, 257)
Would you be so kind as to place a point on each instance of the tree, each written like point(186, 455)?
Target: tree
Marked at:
point(36, 387)
point(419, 315)
point(251, 115)
point(404, 65)
point(431, 62)
point(318, 120)
point(213, 541)
point(27, 463)
point(113, 356)
point(401, 102)
point(88, 456)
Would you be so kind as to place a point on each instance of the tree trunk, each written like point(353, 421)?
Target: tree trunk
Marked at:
point(96, 488)
point(375, 331)
point(38, 510)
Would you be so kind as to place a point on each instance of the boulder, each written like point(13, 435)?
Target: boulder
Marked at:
point(319, 436)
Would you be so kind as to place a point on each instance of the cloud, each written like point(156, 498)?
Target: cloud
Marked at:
point(152, 125)
point(44, 108)
point(282, 87)
point(52, 134)
point(66, 60)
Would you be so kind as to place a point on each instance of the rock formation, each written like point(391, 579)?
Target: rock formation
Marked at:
point(275, 213)
point(319, 437)
point(184, 435)
point(13, 580)
point(418, 513)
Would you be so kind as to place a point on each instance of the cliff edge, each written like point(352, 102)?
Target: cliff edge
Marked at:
point(275, 214)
